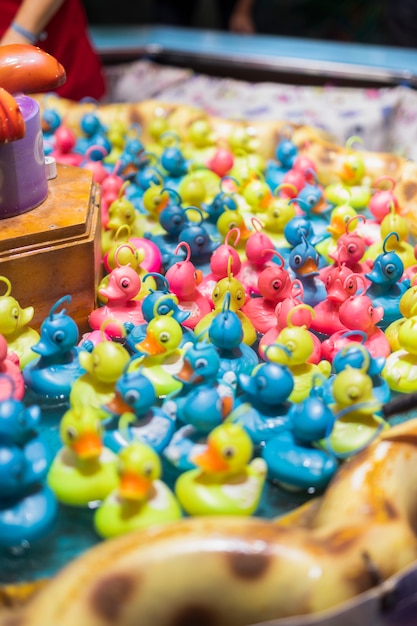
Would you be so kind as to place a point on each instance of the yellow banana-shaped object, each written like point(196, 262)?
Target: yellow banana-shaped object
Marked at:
point(232, 572)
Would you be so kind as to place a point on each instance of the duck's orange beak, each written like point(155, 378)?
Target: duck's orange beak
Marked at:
point(309, 267)
point(164, 199)
point(117, 405)
point(337, 226)
point(227, 406)
point(133, 486)
point(187, 373)
point(210, 460)
point(88, 446)
point(150, 345)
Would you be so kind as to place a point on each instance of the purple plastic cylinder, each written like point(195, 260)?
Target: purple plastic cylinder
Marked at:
point(23, 181)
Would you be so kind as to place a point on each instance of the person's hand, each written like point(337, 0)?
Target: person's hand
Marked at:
point(241, 22)
point(10, 36)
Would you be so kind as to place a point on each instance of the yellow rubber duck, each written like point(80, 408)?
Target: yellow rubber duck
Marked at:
point(83, 471)
point(408, 308)
point(14, 326)
point(162, 355)
point(141, 498)
point(356, 410)
point(104, 365)
point(293, 347)
point(400, 369)
point(226, 480)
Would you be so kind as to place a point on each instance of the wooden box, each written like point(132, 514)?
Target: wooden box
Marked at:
point(55, 249)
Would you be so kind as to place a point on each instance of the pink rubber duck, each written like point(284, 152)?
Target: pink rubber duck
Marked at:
point(12, 384)
point(326, 320)
point(65, 140)
point(350, 249)
point(274, 285)
point(124, 284)
point(383, 200)
point(219, 263)
point(259, 250)
point(183, 279)
point(358, 313)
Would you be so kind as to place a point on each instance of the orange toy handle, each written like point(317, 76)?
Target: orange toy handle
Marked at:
point(28, 69)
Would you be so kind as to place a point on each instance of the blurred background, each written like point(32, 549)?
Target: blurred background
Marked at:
point(368, 21)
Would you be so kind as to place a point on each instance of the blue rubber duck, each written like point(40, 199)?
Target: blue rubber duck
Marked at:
point(200, 380)
point(201, 244)
point(226, 334)
point(286, 152)
point(387, 286)
point(135, 414)
point(262, 406)
point(304, 262)
point(28, 508)
point(54, 372)
point(290, 455)
point(203, 403)
point(223, 201)
point(172, 220)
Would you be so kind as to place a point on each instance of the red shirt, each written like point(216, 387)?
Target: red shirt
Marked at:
point(68, 41)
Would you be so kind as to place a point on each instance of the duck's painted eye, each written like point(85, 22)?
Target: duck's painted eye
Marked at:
point(350, 285)
point(239, 294)
point(390, 268)
point(261, 382)
point(58, 336)
point(216, 293)
point(291, 346)
point(164, 336)
point(200, 363)
point(148, 469)
point(298, 259)
point(125, 283)
point(229, 452)
point(276, 213)
point(71, 433)
point(15, 312)
point(132, 396)
point(276, 284)
point(200, 240)
point(351, 248)
point(163, 309)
